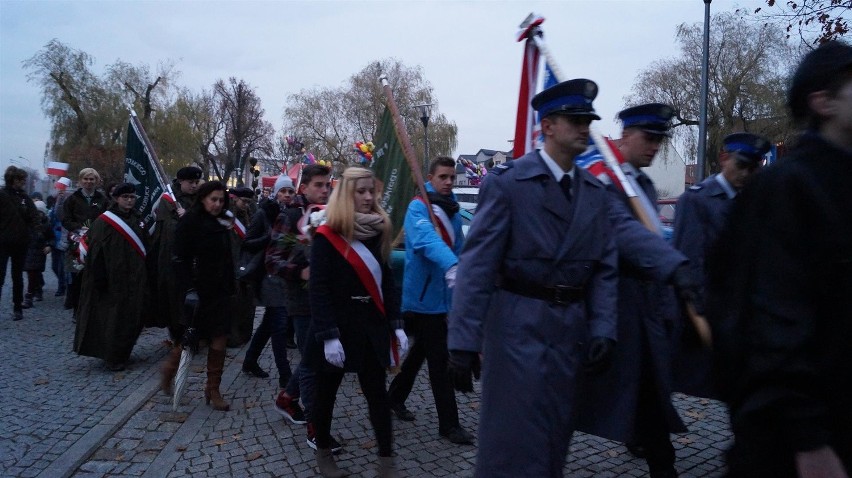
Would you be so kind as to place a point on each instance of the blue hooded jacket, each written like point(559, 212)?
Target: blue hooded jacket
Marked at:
point(427, 259)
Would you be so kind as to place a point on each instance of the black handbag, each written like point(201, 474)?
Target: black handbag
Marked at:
point(251, 268)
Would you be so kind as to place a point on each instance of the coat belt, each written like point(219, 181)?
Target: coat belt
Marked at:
point(555, 294)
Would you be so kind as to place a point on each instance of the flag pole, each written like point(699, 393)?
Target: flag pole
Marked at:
point(407, 150)
point(534, 33)
point(161, 173)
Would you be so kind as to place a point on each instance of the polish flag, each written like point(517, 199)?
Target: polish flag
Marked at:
point(57, 169)
point(62, 184)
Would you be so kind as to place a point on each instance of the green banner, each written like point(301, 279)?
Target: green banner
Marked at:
point(395, 181)
point(140, 170)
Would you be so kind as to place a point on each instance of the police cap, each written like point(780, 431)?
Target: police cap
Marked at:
point(749, 148)
point(189, 173)
point(572, 97)
point(816, 72)
point(654, 118)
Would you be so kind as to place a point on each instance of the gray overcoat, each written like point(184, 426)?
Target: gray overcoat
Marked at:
point(526, 230)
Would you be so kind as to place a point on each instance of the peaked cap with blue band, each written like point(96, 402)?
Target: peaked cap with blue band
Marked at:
point(654, 118)
point(750, 148)
point(572, 97)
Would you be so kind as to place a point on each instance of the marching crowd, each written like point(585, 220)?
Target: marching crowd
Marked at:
point(571, 310)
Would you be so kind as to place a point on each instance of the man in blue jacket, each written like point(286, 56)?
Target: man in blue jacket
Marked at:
point(431, 255)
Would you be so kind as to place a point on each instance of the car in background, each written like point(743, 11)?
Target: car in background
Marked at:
point(666, 211)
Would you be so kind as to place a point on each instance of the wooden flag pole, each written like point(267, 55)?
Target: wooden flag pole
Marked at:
point(408, 151)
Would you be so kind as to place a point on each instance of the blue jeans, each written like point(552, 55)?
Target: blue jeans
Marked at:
point(301, 384)
point(276, 320)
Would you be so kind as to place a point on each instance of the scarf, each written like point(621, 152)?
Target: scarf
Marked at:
point(368, 226)
point(450, 206)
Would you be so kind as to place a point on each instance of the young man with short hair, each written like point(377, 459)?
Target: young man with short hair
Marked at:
point(432, 247)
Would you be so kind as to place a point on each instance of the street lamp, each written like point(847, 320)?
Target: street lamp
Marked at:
point(702, 106)
point(425, 111)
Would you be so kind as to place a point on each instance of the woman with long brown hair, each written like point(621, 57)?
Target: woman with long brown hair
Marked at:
point(204, 265)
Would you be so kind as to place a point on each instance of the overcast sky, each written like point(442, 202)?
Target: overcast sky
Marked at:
point(467, 50)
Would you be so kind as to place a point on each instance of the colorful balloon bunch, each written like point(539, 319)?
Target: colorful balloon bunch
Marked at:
point(365, 152)
point(473, 172)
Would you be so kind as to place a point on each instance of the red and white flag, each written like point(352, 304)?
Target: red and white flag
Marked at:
point(55, 168)
point(62, 184)
point(525, 124)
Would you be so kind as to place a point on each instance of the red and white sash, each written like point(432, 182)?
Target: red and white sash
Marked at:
point(239, 228)
point(126, 231)
point(168, 197)
point(365, 264)
point(445, 225)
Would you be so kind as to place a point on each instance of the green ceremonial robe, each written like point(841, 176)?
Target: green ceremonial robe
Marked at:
point(113, 291)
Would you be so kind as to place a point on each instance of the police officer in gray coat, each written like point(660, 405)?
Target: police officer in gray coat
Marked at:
point(701, 214)
point(536, 293)
point(631, 402)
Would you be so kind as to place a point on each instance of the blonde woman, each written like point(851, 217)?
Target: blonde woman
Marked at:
point(355, 311)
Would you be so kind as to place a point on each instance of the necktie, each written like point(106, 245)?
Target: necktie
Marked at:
point(565, 184)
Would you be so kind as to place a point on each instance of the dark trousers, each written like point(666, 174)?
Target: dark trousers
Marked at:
point(372, 379)
point(57, 264)
point(35, 283)
point(273, 325)
point(16, 255)
point(651, 428)
point(302, 383)
point(73, 295)
point(430, 344)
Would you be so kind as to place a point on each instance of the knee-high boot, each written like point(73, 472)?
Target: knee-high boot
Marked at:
point(169, 369)
point(215, 365)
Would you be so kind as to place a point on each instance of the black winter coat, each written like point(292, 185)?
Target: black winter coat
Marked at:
point(780, 303)
point(77, 212)
point(340, 307)
point(203, 261)
point(17, 218)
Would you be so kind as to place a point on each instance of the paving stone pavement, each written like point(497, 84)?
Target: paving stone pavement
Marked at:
point(65, 415)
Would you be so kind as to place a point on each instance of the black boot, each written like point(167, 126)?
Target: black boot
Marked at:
point(28, 301)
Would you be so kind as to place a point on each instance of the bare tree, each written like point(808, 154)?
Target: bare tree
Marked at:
point(330, 120)
point(815, 21)
point(244, 131)
point(748, 68)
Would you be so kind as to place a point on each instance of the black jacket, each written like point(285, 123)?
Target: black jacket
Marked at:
point(202, 256)
point(77, 212)
point(780, 302)
point(17, 217)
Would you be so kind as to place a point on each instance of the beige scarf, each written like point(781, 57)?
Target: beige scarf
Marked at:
point(367, 225)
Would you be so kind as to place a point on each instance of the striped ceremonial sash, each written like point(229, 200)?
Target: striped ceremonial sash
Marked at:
point(239, 228)
point(126, 231)
point(363, 262)
point(445, 225)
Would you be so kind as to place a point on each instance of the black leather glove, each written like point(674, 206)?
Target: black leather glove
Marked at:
point(599, 354)
point(685, 283)
point(463, 366)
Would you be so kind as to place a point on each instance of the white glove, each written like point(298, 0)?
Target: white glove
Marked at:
point(450, 276)
point(334, 352)
point(403, 343)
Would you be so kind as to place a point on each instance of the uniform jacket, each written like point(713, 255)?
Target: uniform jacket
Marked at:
point(113, 292)
point(780, 304)
point(427, 259)
point(701, 214)
point(526, 230)
point(341, 307)
point(646, 316)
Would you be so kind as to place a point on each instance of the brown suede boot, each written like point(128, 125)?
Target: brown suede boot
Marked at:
point(215, 365)
point(169, 369)
point(326, 464)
